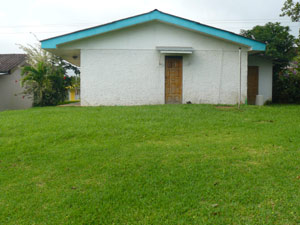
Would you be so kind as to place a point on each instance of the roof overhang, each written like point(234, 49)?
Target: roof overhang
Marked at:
point(71, 55)
point(254, 45)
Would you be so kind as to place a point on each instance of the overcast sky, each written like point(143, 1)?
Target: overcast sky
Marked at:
point(22, 20)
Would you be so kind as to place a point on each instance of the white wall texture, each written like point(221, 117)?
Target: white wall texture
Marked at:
point(121, 77)
point(265, 75)
point(11, 96)
point(124, 68)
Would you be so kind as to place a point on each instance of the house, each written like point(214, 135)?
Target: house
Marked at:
point(73, 94)
point(158, 58)
point(11, 92)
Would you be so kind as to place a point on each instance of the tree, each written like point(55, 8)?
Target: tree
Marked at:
point(280, 43)
point(281, 49)
point(44, 76)
point(35, 79)
point(36, 54)
point(292, 10)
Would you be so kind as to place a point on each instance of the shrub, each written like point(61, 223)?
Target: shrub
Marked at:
point(287, 84)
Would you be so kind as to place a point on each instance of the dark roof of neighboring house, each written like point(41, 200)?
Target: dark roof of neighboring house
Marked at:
point(10, 61)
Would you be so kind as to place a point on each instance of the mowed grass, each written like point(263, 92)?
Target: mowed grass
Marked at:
point(169, 164)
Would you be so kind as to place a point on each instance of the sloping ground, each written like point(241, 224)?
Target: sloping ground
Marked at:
point(170, 164)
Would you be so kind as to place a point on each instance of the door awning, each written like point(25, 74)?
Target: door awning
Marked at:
point(175, 50)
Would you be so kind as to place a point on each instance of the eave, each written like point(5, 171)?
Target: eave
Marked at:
point(157, 15)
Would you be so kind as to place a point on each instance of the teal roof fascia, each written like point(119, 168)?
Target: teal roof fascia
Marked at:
point(153, 15)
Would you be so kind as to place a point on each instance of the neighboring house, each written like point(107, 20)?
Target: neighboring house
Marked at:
point(11, 96)
point(158, 58)
point(73, 94)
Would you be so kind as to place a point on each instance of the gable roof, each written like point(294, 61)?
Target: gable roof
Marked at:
point(52, 43)
point(10, 61)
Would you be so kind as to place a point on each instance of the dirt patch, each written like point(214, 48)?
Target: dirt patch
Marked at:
point(71, 104)
point(265, 121)
point(224, 107)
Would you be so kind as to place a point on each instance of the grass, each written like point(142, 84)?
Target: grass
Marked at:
point(170, 164)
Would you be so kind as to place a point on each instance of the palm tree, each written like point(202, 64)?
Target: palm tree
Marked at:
point(44, 76)
point(35, 79)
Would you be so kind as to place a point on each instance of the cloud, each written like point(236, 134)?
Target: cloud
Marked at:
point(2, 14)
point(47, 18)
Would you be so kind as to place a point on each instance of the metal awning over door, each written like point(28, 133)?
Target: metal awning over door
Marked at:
point(175, 50)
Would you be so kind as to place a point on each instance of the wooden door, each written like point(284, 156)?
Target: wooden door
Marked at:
point(252, 84)
point(173, 79)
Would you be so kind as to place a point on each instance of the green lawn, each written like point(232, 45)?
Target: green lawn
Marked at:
point(169, 164)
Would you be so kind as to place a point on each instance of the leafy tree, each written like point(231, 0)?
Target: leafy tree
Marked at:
point(281, 49)
point(292, 10)
point(44, 76)
point(280, 43)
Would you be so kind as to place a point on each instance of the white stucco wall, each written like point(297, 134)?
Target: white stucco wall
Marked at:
point(124, 68)
point(212, 77)
point(265, 73)
point(118, 77)
point(11, 96)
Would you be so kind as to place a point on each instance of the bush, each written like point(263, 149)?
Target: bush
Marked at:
point(56, 91)
point(46, 83)
point(287, 85)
